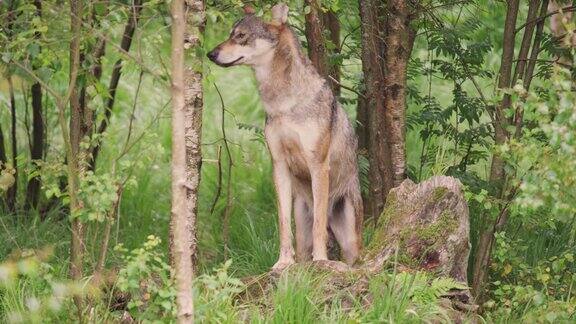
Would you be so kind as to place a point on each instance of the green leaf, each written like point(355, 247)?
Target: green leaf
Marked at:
point(33, 49)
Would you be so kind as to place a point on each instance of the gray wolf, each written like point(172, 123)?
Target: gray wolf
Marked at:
point(309, 136)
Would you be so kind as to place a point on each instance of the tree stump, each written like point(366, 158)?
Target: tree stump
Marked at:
point(423, 227)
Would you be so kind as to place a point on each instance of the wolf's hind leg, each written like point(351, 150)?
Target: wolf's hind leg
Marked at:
point(303, 219)
point(343, 225)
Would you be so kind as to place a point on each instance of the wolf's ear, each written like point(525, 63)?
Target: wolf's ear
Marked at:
point(280, 14)
point(249, 10)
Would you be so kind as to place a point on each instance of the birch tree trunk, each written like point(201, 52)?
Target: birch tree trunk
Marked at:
point(187, 101)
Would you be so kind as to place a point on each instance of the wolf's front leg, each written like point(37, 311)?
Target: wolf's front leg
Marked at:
point(320, 186)
point(282, 182)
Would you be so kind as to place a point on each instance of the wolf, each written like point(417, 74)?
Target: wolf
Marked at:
point(309, 136)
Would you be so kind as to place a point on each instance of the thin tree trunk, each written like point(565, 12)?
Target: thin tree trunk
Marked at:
point(529, 71)
point(11, 195)
point(526, 41)
point(125, 45)
point(380, 173)
point(399, 41)
point(37, 149)
point(316, 45)
point(536, 47)
point(332, 24)
point(73, 150)
point(12, 191)
point(86, 114)
point(497, 175)
point(100, 48)
point(112, 217)
point(316, 22)
point(187, 102)
point(195, 24)
point(3, 159)
point(3, 156)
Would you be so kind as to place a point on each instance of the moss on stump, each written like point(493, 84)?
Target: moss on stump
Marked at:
point(424, 226)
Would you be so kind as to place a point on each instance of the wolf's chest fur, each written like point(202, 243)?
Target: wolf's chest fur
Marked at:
point(294, 143)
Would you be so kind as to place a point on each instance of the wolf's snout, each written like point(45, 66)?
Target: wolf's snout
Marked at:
point(213, 54)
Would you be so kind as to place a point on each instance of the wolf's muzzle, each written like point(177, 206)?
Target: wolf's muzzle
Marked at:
point(213, 54)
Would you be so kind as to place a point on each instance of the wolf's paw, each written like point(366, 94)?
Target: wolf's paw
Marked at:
point(282, 264)
point(319, 257)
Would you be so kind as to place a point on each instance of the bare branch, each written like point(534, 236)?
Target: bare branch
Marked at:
point(346, 87)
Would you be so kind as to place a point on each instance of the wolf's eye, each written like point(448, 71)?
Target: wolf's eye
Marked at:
point(240, 35)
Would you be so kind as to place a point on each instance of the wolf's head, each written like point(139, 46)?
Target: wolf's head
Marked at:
point(251, 38)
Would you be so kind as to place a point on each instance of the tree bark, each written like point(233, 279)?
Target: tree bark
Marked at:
point(37, 149)
point(386, 49)
point(526, 41)
point(529, 70)
point(399, 41)
point(504, 81)
point(380, 173)
point(332, 24)
point(497, 174)
point(187, 101)
point(316, 46)
point(316, 23)
point(3, 156)
point(125, 45)
point(11, 195)
point(73, 150)
point(11, 198)
point(538, 37)
point(3, 159)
